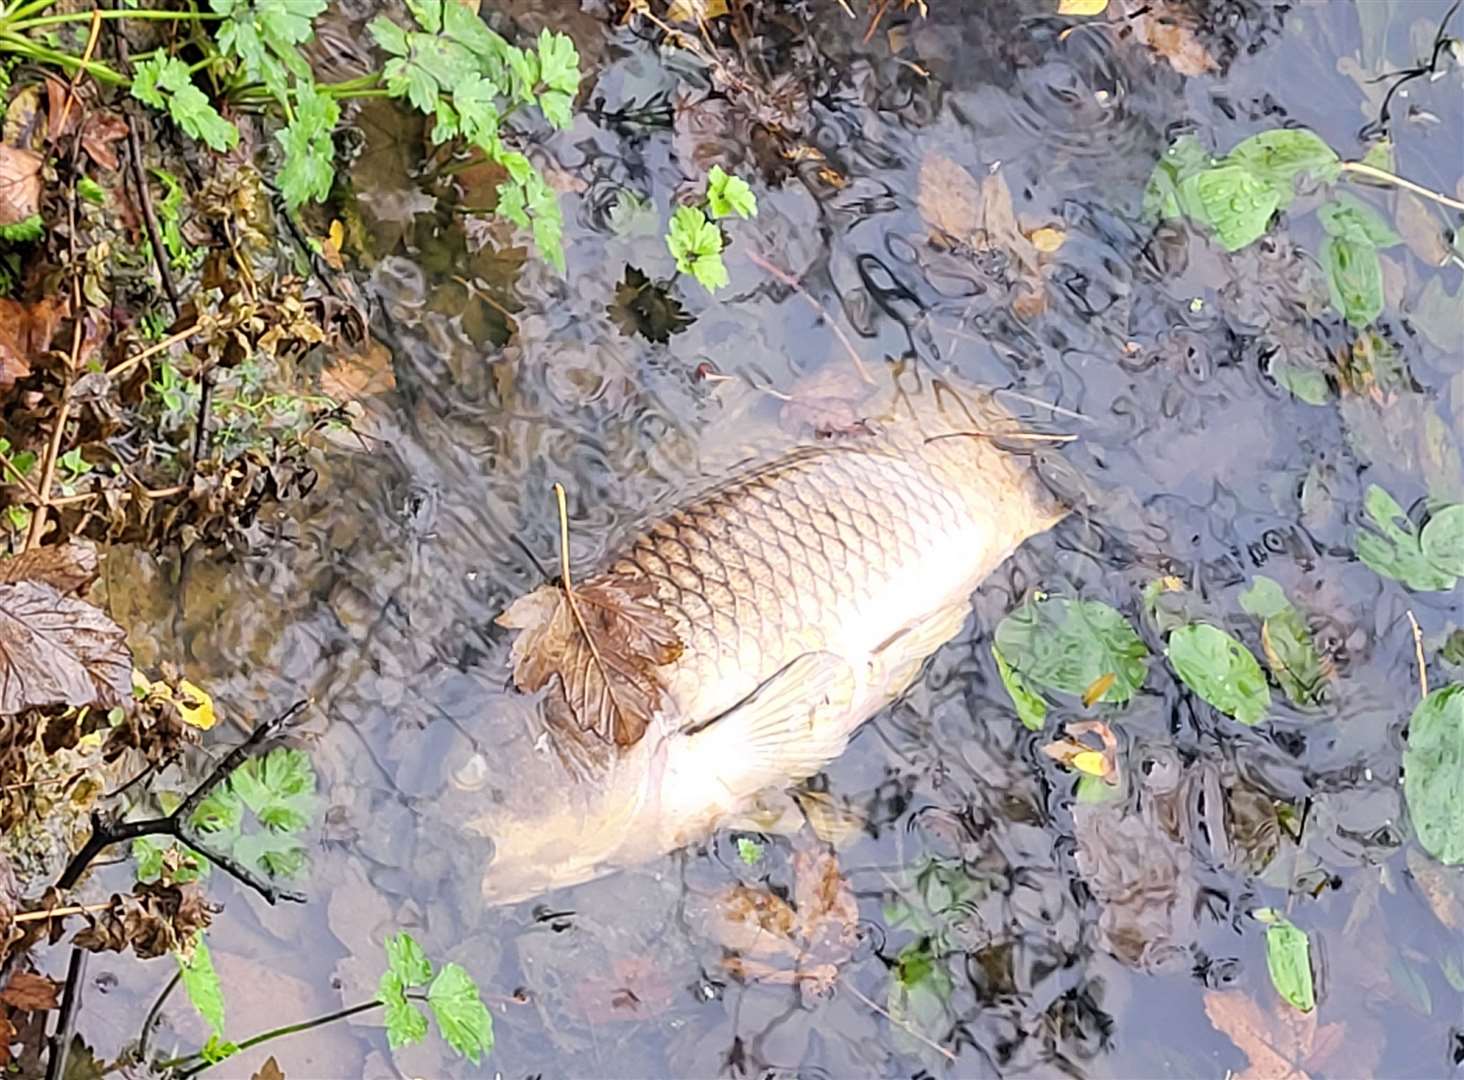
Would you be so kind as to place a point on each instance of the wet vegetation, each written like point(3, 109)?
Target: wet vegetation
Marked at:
point(305, 304)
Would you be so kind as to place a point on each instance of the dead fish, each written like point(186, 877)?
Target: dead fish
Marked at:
point(732, 646)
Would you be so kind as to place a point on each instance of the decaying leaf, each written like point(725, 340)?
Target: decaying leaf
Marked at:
point(30, 992)
point(25, 332)
point(1285, 1044)
point(606, 669)
point(270, 1070)
point(694, 10)
point(817, 932)
point(56, 649)
point(1102, 763)
point(1081, 7)
point(358, 374)
point(20, 184)
point(69, 568)
point(1169, 30)
point(154, 919)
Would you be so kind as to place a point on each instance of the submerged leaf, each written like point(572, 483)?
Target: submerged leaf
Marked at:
point(1393, 548)
point(1288, 958)
point(606, 670)
point(1433, 773)
point(1442, 540)
point(1068, 645)
point(1290, 653)
point(1220, 670)
point(1031, 709)
point(1281, 155)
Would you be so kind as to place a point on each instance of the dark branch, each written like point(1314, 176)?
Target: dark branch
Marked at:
point(107, 831)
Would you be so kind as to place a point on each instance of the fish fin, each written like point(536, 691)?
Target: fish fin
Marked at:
point(772, 812)
point(785, 730)
point(897, 661)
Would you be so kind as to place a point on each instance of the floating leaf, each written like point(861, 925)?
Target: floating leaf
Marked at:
point(1288, 958)
point(1031, 709)
point(461, 1015)
point(1235, 203)
point(1101, 763)
point(1067, 645)
point(1442, 540)
point(201, 982)
point(605, 669)
point(1351, 218)
point(1278, 157)
point(1286, 642)
point(1220, 670)
point(1433, 773)
point(1393, 548)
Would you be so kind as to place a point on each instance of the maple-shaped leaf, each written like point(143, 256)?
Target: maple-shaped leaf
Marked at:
point(604, 642)
point(58, 650)
point(1285, 1044)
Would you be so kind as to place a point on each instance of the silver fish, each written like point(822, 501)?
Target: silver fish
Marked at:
point(733, 645)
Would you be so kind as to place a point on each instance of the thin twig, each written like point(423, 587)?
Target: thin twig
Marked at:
point(91, 48)
point(1027, 436)
point(60, 912)
point(152, 350)
point(1362, 168)
point(939, 1049)
point(107, 832)
point(60, 1042)
point(150, 1021)
point(792, 283)
point(139, 178)
point(1418, 655)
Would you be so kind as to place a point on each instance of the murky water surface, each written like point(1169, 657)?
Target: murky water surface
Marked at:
point(1068, 938)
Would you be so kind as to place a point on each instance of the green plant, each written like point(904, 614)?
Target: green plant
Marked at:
point(408, 983)
point(693, 237)
point(449, 65)
point(258, 813)
point(1236, 196)
point(183, 255)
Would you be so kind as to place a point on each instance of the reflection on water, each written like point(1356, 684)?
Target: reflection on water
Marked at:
point(1003, 926)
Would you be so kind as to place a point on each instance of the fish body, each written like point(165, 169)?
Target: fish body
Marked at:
point(766, 619)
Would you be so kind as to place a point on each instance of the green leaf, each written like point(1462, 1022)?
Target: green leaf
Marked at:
point(428, 13)
point(1220, 670)
point(1433, 773)
point(1442, 540)
point(1352, 219)
point(405, 1023)
point(728, 195)
point(1286, 642)
point(150, 851)
point(558, 108)
point(220, 811)
point(477, 112)
point(1306, 383)
point(406, 959)
point(309, 168)
point(265, 35)
point(217, 1050)
point(279, 790)
point(558, 62)
point(1354, 279)
point(23, 231)
point(166, 82)
point(1184, 159)
point(749, 850)
point(1288, 958)
point(389, 36)
point(201, 983)
point(1031, 709)
point(1233, 202)
point(696, 244)
point(91, 191)
point(1068, 645)
point(461, 1015)
point(1392, 546)
point(1279, 157)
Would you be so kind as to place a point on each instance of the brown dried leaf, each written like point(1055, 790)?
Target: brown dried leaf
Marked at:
point(56, 649)
point(20, 184)
point(30, 992)
point(154, 919)
point(270, 1070)
point(100, 133)
point(1169, 30)
point(25, 331)
point(359, 374)
point(69, 567)
point(1285, 1043)
point(607, 670)
point(948, 197)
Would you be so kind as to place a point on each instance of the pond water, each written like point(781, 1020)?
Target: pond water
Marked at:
point(1004, 927)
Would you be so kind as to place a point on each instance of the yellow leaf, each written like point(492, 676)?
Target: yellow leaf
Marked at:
point(1098, 688)
point(1047, 240)
point(1081, 7)
point(1091, 762)
point(330, 247)
point(195, 705)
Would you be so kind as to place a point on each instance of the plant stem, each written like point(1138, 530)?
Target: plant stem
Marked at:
point(1372, 172)
point(14, 43)
point(276, 1033)
point(105, 13)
